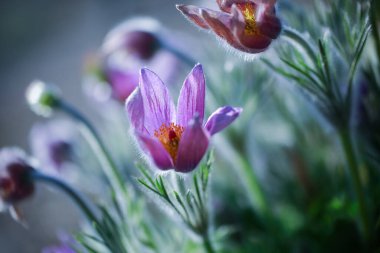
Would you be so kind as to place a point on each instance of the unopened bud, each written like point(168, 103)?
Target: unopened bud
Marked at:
point(42, 97)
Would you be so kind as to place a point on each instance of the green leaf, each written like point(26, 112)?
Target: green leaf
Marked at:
point(144, 171)
point(143, 183)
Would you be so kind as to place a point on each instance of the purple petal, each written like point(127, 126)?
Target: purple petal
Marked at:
point(220, 23)
point(58, 249)
point(252, 43)
point(270, 26)
point(193, 14)
point(135, 110)
point(158, 153)
point(158, 106)
point(222, 118)
point(191, 99)
point(192, 147)
point(122, 82)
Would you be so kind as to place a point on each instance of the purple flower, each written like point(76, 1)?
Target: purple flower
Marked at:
point(59, 249)
point(52, 143)
point(247, 25)
point(175, 139)
point(15, 184)
point(126, 49)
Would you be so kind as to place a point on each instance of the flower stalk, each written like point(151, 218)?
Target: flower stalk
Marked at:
point(207, 244)
point(74, 195)
point(99, 148)
point(178, 53)
point(353, 166)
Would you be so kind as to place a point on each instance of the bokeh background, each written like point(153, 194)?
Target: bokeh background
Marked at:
point(50, 40)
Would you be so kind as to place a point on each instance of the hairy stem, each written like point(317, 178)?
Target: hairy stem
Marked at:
point(207, 244)
point(179, 54)
point(352, 163)
point(97, 145)
point(74, 195)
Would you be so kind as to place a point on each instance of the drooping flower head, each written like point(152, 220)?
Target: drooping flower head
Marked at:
point(52, 143)
point(15, 184)
point(127, 48)
point(247, 25)
point(175, 139)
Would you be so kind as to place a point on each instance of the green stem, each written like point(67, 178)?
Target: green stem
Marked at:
point(254, 186)
point(375, 27)
point(298, 38)
point(347, 144)
point(97, 145)
point(79, 200)
point(207, 244)
point(179, 54)
point(247, 175)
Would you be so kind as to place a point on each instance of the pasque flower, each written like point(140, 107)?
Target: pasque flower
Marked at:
point(52, 143)
point(127, 48)
point(15, 184)
point(175, 139)
point(247, 25)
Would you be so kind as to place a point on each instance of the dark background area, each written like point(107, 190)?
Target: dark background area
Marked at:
point(50, 40)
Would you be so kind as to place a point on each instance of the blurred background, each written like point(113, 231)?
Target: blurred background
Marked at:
point(50, 40)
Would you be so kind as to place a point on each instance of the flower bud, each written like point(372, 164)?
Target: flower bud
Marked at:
point(142, 44)
point(15, 183)
point(127, 48)
point(136, 37)
point(52, 144)
point(42, 97)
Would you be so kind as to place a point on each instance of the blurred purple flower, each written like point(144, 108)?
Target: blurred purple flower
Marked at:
point(127, 48)
point(15, 184)
point(59, 249)
point(52, 143)
point(247, 25)
point(179, 139)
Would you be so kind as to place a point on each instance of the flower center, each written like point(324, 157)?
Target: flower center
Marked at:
point(248, 11)
point(169, 136)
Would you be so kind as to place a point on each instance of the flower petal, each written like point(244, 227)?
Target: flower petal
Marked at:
point(270, 26)
point(191, 100)
point(192, 147)
point(122, 82)
point(158, 106)
point(252, 43)
point(225, 5)
point(135, 110)
point(193, 14)
point(158, 153)
point(222, 118)
point(220, 23)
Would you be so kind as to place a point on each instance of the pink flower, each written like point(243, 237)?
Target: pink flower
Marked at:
point(247, 25)
point(175, 139)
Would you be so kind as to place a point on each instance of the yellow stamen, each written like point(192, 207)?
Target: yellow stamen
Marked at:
point(169, 136)
point(248, 11)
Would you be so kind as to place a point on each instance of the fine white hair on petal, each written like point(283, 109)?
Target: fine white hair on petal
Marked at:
point(231, 50)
